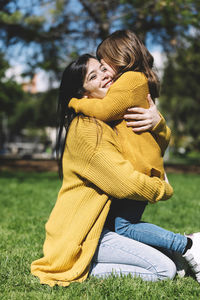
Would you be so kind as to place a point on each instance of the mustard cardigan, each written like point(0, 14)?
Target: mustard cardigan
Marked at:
point(144, 150)
point(94, 172)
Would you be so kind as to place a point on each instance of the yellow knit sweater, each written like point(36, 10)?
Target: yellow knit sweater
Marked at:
point(94, 172)
point(145, 150)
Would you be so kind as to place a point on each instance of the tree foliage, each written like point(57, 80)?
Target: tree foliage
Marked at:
point(24, 109)
point(57, 29)
point(47, 34)
point(181, 93)
point(11, 93)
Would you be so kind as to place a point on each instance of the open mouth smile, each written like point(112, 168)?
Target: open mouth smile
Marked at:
point(107, 84)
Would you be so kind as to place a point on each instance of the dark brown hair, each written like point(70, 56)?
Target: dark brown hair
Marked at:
point(71, 86)
point(124, 51)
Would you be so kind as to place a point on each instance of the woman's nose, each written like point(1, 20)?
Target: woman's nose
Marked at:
point(105, 75)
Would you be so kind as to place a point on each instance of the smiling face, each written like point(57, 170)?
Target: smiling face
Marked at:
point(97, 80)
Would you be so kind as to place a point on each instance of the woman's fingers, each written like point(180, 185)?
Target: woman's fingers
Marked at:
point(142, 119)
point(138, 123)
point(151, 103)
point(137, 113)
point(136, 110)
point(140, 126)
point(142, 129)
point(137, 117)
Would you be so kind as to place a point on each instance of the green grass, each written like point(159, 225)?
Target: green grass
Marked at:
point(27, 200)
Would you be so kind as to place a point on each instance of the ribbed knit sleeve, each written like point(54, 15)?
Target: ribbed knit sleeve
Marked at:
point(129, 90)
point(114, 175)
point(107, 169)
point(162, 134)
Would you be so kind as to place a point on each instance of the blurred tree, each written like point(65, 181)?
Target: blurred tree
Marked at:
point(20, 109)
point(25, 24)
point(181, 93)
point(45, 109)
point(49, 33)
point(55, 30)
point(166, 22)
point(11, 93)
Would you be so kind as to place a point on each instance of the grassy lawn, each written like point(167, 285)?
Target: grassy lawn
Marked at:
point(25, 203)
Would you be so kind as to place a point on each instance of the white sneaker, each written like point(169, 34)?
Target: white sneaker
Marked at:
point(181, 264)
point(192, 256)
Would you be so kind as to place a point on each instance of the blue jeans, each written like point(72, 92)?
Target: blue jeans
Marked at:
point(119, 255)
point(129, 225)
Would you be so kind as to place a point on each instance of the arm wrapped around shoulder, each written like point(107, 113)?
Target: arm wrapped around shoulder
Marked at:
point(130, 89)
point(102, 166)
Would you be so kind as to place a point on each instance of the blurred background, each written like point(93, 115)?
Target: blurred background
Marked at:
point(38, 38)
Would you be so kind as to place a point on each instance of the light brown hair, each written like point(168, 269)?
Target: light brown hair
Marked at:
point(124, 51)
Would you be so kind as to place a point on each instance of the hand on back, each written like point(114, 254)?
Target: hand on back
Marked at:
point(141, 119)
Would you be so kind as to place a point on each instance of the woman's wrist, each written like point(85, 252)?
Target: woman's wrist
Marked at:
point(160, 125)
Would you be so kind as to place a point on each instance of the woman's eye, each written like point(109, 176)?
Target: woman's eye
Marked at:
point(92, 77)
point(104, 69)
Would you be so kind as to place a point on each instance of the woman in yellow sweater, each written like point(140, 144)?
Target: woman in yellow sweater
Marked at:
point(129, 62)
point(95, 173)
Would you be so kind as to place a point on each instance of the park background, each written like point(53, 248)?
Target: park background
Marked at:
point(38, 38)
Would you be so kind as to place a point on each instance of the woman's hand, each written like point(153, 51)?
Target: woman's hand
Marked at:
point(141, 119)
